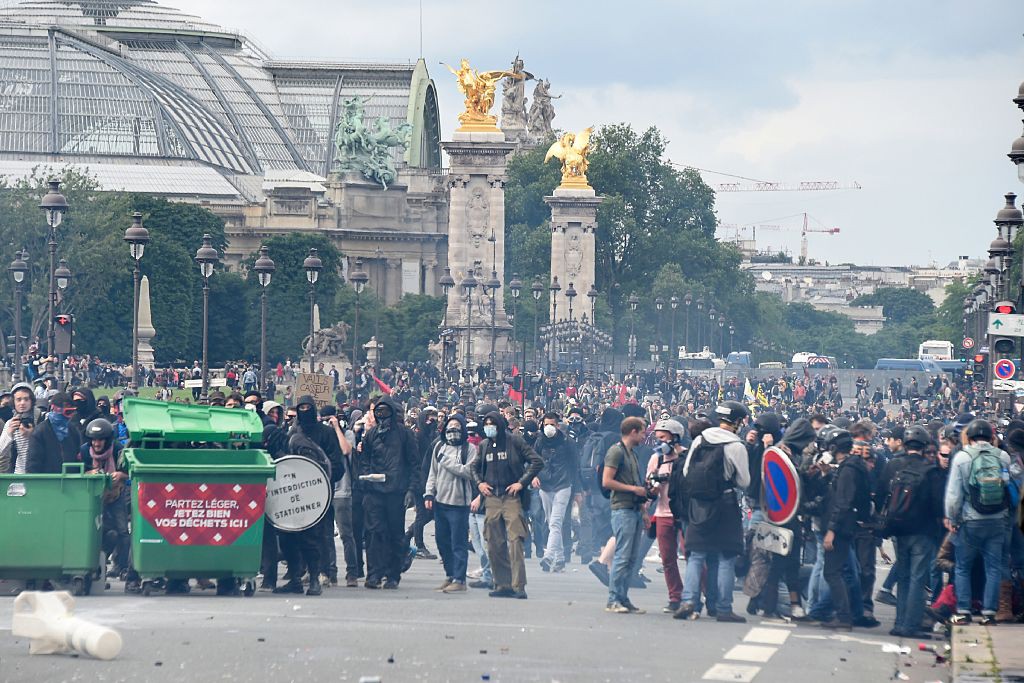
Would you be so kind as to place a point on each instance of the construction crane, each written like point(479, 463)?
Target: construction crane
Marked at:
point(734, 229)
point(803, 237)
point(764, 186)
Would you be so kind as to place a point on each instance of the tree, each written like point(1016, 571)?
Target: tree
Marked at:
point(899, 304)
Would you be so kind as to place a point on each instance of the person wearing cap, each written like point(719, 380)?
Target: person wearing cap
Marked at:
point(716, 463)
point(14, 440)
point(673, 440)
point(56, 441)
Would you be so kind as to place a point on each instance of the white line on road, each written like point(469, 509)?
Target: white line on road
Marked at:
point(751, 653)
point(731, 672)
point(766, 636)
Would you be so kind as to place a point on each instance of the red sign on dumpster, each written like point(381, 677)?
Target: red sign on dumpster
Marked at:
point(201, 514)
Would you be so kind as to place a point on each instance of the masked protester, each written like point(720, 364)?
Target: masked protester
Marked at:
point(55, 441)
point(388, 467)
point(449, 493)
point(426, 438)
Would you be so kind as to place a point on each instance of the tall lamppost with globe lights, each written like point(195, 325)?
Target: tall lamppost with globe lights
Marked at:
point(312, 265)
point(359, 278)
point(264, 268)
point(137, 237)
point(207, 258)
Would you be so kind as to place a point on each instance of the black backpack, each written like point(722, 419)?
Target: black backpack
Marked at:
point(677, 490)
point(594, 450)
point(705, 477)
point(907, 490)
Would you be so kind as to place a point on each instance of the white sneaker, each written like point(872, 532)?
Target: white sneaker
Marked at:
point(797, 612)
point(475, 574)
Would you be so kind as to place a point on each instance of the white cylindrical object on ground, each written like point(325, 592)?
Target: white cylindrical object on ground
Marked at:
point(47, 619)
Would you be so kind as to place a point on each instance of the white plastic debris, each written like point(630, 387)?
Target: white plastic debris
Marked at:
point(47, 619)
point(892, 648)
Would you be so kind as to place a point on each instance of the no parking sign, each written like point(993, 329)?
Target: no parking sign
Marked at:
point(1005, 368)
point(781, 486)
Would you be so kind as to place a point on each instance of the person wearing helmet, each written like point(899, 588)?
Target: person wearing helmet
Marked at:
point(101, 454)
point(849, 506)
point(910, 497)
point(673, 440)
point(978, 510)
point(715, 472)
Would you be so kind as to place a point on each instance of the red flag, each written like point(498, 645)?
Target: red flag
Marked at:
point(383, 387)
point(622, 394)
point(515, 396)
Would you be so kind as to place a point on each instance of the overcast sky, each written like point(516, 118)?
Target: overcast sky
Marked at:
point(910, 98)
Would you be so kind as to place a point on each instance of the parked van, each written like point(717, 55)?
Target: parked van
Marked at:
point(912, 364)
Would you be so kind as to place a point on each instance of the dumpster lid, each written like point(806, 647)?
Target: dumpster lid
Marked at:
point(149, 420)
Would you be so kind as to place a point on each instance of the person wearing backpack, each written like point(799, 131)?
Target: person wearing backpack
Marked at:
point(910, 497)
point(595, 520)
point(673, 441)
point(621, 476)
point(715, 472)
point(977, 507)
point(448, 493)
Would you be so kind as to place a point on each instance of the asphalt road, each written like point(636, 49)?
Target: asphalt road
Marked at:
point(414, 634)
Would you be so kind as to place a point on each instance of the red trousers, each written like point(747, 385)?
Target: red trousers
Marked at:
point(669, 545)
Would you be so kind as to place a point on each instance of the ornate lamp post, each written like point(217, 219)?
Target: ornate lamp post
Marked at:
point(469, 284)
point(515, 287)
point(137, 237)
point(264, 268)
point(659, 306)
point(592, 294)
point(554, 289)
point(538, 291)
point(570, 294)
point(732, 331)
point(446, 282)
point(312, 265)
point(673, 351)
point(712, 316)
point(19, 270)
point(55, 205)
point(491, 288)
point(634, 302)
point(207, 258)
point(721, 334)
point(700, 324)
point(359, 278)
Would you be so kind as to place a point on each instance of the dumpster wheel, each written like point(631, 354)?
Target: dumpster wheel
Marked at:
point(81, 585)
point(249, 588)
point(147, 588)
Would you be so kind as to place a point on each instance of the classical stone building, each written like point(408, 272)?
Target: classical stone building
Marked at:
point(149, 99)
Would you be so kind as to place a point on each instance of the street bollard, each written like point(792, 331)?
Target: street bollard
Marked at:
point(47, 619)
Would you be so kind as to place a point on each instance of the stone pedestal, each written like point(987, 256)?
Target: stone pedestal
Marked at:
point(573, 224)
point(476, 214)
point(146, 330)
point(373, 351)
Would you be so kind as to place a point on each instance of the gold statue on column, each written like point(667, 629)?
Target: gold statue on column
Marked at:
point(478, 87)
point(572, 149)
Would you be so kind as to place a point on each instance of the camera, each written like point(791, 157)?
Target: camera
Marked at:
point(658, 478)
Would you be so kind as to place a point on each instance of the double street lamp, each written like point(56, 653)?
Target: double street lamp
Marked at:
point(264, 268)
point(55, 205)
point(18, 270)
point(207, 257)
point(312, 265)
point(137, 237)
point(359, 278)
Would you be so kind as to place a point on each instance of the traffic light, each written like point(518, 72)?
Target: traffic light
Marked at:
point(63, 333)
point(980, 365)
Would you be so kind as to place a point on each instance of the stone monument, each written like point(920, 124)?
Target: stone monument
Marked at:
point(476, 218)
point(513, 104)
point(366, 148)
point(146, 330)
point(542, 113)
point(573, 218)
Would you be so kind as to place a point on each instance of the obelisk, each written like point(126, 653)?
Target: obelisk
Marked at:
point(146, 330)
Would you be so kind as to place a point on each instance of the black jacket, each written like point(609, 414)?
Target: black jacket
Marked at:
point(925, 515)
point(393, 453)
point(561, 465)
point(850, 498)
point(525, 462)
point(46, 454)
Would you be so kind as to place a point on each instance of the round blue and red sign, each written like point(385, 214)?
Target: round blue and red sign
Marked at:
point(781, 487)
point(1005, 368)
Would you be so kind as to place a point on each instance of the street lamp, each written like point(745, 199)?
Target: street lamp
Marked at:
point(700, 324)
point(570, 294)
point(514, 288)
point(538, 291)
point(721, 334)
point(359, 278)
point(264, 268)
point(491, 288)
point(137, 237)
point(469, 283)
point(633, 301)
point(312, 265)
point(18, 270)
point(446, 282)
point(207, 257)
point(659, 306)
point(1017, 149)
point(712, 316)
point(673, 303)
point(554, 289)
point(732, 331)
point(688, 300)
point(592, 294)
point(54, 204)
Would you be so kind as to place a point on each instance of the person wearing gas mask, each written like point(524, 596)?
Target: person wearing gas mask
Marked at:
point(558, 481)
point(506, 466)
point(449, 494)
point(388, 466)
point(577, 432)
point(55, 440)
point(673, 441)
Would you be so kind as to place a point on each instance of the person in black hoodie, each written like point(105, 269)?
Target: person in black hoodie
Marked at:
point(85, 408)
point(54, 441)
point(558, 481)
point(506, 467)
point(388, 449)
point(426, 436)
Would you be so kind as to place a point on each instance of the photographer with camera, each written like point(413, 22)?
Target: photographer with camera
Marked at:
point(17, 430)
point(672, 444)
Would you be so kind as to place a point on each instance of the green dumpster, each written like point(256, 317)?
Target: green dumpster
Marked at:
point(199, 483)
point(50, 527)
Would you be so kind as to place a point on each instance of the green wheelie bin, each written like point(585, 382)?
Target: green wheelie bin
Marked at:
point(199, 484)
point(51, 525)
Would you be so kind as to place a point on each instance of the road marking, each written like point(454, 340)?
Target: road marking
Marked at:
point(751, 653)
point(731, 672)
point(778, 622)
point(767, 636)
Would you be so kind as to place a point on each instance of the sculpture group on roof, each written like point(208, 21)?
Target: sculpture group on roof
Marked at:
point(367, 148)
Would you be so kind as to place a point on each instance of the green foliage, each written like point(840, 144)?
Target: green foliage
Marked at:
point(899, 304)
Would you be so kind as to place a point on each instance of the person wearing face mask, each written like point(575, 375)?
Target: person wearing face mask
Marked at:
point(85, 408)
point(103, 409)
point(388, 449)
point(426, 437)
point(672, 443)
point(17, 429)
point(449, 493)
point(506, 466)
point(577, 432)
point(55, 441)
point(557, 482)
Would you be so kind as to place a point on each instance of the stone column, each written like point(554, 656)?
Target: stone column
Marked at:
point(476, 210)
point(573, 223)
point(146, 331)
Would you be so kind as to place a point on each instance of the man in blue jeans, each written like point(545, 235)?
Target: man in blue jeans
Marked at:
point(978, 519)
point(622, 476)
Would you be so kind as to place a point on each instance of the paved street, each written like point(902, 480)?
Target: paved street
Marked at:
point(560, 634)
